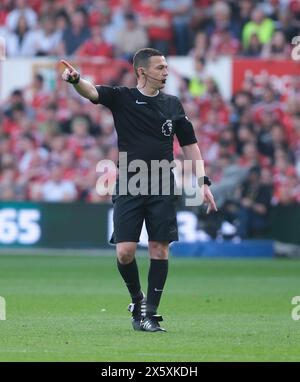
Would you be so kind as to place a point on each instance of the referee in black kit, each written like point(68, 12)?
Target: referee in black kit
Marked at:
point(145, 120)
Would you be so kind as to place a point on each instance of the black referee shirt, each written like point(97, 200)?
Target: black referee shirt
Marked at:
point(146, 125)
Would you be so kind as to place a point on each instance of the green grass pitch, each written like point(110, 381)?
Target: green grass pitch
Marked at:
point(73, 308)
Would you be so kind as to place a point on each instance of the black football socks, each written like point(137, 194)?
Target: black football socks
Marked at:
point(130, 275)
point(156, 280)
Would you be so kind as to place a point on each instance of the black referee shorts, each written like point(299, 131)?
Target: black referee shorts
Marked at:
point(158, 211)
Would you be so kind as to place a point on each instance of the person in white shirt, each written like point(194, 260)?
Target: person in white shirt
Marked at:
point(19, 40)
point(130, 38)
point(58, 189)
point(46, 39)
point(21, 9)
point(30, 151)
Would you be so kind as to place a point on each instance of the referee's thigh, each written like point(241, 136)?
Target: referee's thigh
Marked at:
point(128, 217)
point(160, 218)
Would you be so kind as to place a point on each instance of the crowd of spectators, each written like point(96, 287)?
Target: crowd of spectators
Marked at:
point(51, 141)
point(117, 28)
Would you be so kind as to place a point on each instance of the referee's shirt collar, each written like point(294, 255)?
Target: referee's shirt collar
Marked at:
point(147, 96)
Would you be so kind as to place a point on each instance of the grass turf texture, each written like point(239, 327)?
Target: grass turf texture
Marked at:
point(73, 308)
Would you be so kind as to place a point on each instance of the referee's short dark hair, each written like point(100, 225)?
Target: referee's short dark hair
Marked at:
point(141, 57)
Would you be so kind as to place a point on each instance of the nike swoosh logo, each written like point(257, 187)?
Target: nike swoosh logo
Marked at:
point(158, 290)
point(140, 102)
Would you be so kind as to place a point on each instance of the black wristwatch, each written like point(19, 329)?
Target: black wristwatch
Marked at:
point(204, 180)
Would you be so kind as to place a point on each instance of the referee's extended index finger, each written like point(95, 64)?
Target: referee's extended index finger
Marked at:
point(69, 66)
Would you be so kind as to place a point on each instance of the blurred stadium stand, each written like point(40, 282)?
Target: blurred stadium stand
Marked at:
point(230, 64)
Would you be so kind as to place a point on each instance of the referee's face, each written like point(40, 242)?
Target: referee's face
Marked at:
point(157, 72)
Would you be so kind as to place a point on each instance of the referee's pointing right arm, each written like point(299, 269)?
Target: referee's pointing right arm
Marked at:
point(83, 87)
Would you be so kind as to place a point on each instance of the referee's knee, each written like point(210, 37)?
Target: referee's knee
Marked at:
point(126, 252)
point(159, 250)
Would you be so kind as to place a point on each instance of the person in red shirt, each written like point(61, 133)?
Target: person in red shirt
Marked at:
point(158, 23)
point(223, 43)
point(4, 11)
point(95, 46)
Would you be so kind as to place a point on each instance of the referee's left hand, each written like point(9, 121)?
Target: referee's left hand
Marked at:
point(209, 199)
